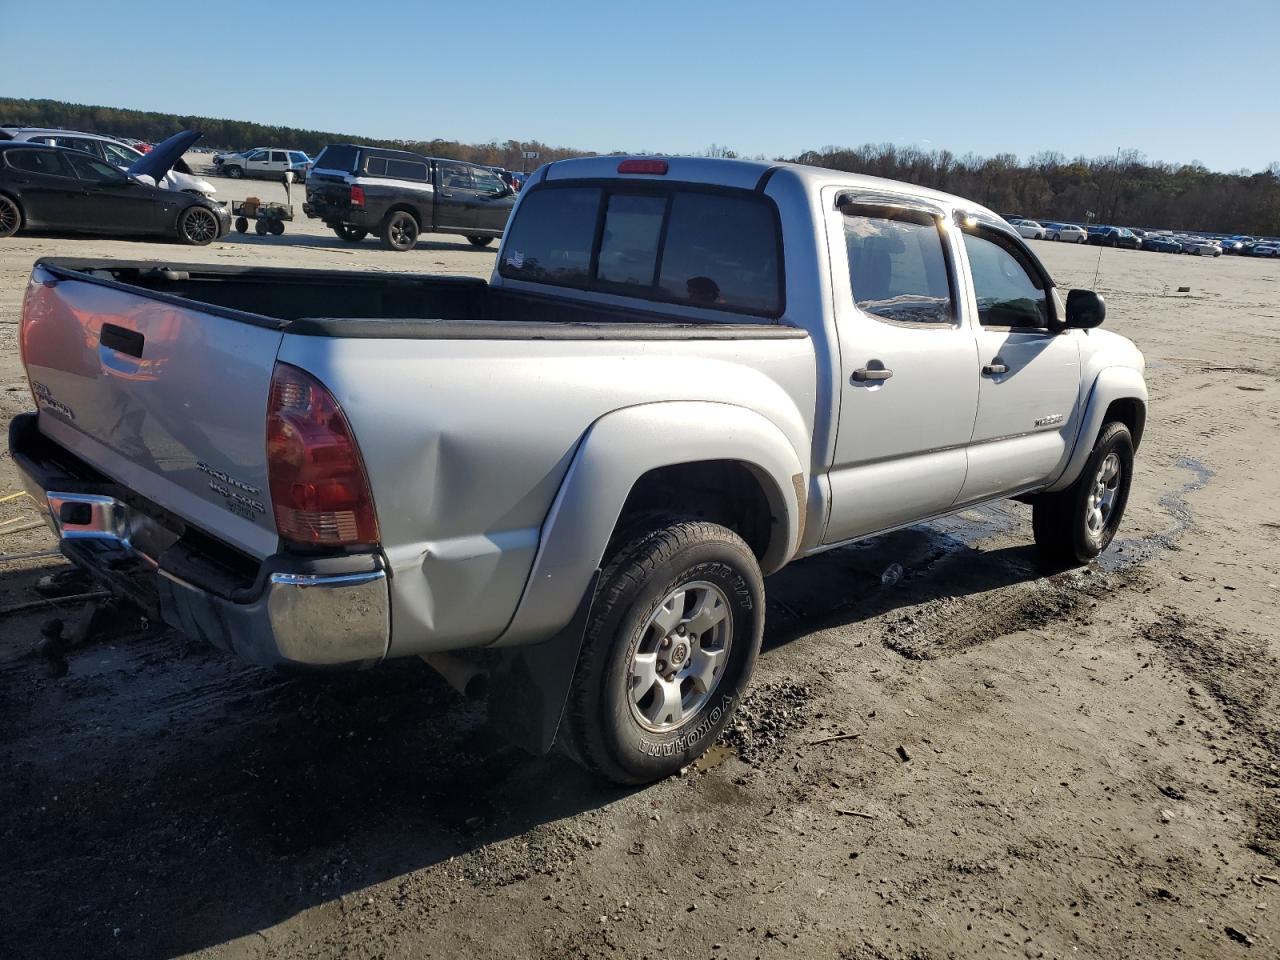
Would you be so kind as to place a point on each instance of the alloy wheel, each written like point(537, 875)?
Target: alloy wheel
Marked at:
point(200, 225)
point(1102, 498)
point(681, 656)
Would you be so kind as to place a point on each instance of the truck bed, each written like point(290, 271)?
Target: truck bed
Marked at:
point(340, 303)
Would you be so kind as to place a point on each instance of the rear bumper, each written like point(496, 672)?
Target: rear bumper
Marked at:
point(322, 611)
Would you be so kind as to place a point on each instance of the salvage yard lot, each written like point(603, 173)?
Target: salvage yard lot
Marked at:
point(982, 758)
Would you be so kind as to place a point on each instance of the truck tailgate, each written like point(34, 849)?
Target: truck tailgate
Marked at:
point(166, 399)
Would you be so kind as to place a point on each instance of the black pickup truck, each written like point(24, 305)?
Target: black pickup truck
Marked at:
point(398, 195)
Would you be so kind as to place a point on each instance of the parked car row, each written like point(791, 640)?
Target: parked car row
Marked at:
point(1153, 241)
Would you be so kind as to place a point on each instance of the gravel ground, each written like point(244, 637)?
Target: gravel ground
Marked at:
point(981, 759)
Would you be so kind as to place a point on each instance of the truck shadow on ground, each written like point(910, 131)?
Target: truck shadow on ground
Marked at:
point(164, 798)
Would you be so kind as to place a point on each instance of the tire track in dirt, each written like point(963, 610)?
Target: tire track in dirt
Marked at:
point(1237, 671)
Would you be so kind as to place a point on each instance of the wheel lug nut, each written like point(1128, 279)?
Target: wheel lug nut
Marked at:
point(662, 665)
point(680, 629)
point(666, 642)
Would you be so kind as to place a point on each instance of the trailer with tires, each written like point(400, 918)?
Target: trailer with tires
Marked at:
point(270, 217)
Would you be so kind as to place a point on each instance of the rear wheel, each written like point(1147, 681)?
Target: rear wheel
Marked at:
point(669, 649)
point(399, 230)
point(1076, 524)
point(480, 241)
point(276, 227)
point(10, 217)
point(198, 226)
point(347, 232)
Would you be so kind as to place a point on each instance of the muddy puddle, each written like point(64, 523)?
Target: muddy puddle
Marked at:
point(1126, 551)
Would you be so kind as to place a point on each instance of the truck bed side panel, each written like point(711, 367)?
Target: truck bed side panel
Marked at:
point(467, 442)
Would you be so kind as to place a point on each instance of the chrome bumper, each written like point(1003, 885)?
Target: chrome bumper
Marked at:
point(295, 617)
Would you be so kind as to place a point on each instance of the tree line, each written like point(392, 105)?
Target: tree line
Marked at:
point(1122, 189)
point(223, 134)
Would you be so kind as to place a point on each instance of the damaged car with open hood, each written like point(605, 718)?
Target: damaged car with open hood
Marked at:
point(60, 190)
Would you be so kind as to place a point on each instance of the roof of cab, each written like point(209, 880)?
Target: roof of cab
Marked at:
point(750, 175)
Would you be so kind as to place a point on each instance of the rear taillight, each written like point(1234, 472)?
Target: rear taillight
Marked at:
point(357, 197)
point(319, 489)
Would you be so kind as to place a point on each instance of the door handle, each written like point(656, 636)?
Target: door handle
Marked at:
point(447, 196)
point(863, 375)
point(995, 368)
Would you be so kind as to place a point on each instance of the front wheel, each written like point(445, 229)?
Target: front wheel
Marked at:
point(399, 231)
point(198, 226)
point(480, 241)
point(235, 173)
point(1076, 524)
point(669, 649)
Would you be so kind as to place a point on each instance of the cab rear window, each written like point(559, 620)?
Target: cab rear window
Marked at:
point(717, 249)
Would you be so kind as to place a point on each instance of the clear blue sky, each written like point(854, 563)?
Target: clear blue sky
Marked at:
point(1177, 80)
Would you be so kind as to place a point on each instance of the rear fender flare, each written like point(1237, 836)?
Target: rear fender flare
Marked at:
point(1112, 384)
point(614, 453)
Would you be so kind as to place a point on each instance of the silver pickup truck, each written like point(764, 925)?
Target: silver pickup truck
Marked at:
point(566, 485)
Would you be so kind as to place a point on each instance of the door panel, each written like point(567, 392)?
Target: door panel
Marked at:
point(111, 202)
point(1029, 399)
point(455, 197)
point(901, 442)
point(49, 188)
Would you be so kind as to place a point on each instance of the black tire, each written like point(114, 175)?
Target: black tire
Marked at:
point(347, 232)
point(10, 216)
point(235, 173)
point(601, 729)
point(242, 224)
point(399, 230)
point(1061, 520)
point(479, 241)
point(198, 226)
point(276, 227)
point(261, 227)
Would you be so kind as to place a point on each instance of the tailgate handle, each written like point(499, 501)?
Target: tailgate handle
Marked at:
point(122, 340)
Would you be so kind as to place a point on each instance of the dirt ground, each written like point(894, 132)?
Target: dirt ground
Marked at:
point(1079, 764)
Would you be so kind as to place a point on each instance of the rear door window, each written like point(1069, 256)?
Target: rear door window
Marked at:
point(717, 249)
point(897, 266)
point(50, 163)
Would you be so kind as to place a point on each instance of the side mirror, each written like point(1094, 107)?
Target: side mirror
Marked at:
point(1085, 309)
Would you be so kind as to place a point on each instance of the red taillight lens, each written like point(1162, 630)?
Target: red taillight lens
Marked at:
point(319, 490)
point(357, 197)
point(643, 166)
